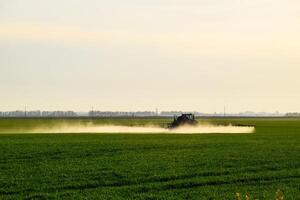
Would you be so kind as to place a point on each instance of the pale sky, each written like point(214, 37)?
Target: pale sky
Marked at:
point(128, 55)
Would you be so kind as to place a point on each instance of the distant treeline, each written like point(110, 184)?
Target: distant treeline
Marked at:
point(95, 113)
point(121, 114)
point(137, 113)
point(295, 114)
point(38, 114)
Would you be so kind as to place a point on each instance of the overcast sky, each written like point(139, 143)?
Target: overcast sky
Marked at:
point(140, 55)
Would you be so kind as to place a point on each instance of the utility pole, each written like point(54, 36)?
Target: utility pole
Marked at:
point(25, 111)
point(224, 111)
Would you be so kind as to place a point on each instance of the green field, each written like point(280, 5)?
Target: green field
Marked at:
point(125, 166)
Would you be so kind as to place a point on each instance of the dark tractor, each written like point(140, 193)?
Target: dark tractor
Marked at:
point(184, 119)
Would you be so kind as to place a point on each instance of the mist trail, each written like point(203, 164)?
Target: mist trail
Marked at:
point(201, 129)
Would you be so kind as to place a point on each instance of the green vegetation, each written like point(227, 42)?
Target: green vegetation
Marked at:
point(125, 166)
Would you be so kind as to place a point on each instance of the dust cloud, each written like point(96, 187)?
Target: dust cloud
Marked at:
point(213, 129)
point(201, 129)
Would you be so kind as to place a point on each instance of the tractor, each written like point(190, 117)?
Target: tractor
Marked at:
point(184, 119)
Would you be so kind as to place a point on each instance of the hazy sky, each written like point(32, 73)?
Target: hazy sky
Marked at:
point(139, 55)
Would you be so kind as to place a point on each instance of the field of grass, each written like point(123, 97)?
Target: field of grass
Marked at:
point(125, 166)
